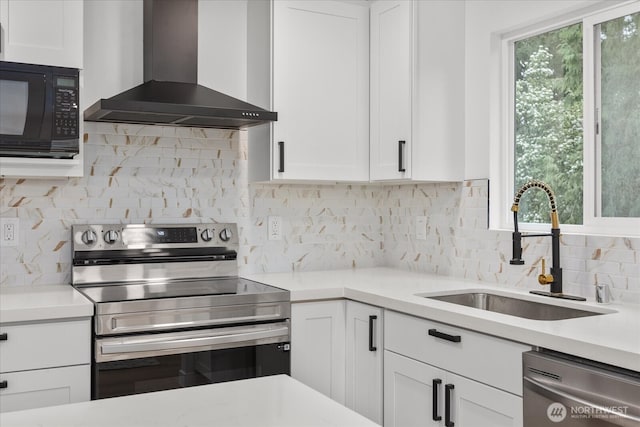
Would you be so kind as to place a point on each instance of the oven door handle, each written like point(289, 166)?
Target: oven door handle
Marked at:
point(569, 400)
point(177, 343)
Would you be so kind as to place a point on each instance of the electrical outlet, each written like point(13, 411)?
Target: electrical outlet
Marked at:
point(421, 228)
point(9, 229)
point(274, 228)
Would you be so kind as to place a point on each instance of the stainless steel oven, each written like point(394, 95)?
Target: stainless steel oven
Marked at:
point(170, 310)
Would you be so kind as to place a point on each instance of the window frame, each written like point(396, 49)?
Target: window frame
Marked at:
point(502, 144)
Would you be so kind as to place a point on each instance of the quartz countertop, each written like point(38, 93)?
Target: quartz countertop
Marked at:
point(613, 338)
point(277, 401)
point(38, 303)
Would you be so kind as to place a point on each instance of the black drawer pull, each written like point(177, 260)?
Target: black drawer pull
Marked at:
point(4, 336)
point(442, 335)
point(401, 167)
point(281, 153)
point(447, 405)
point(371, 320)
point(435, 386)
point(4, 384)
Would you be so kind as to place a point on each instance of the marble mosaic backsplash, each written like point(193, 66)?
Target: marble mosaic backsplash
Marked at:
point(159, 174)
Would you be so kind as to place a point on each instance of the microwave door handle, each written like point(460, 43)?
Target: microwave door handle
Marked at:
point(188, 341)
point(569, 400)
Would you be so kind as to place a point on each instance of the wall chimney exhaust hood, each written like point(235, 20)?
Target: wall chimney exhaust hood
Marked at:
point(171, 94)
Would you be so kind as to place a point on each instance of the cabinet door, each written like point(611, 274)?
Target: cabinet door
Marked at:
point(45, 345)
point(391, 86)
point(474, 404)
point(317, 346)
point(45, 387)
point(320, 90)
point(364, 356)
point(409, 392)
point(438, 109)
point(48, 32)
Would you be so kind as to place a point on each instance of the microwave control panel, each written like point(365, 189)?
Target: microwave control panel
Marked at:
point(66, 114)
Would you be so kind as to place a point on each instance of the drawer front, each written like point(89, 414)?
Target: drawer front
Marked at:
point(484, 358)
point(45, 345)
point(45, 387)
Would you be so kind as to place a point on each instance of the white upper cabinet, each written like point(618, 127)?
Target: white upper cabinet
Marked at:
point(47, 32)
point(391, 87)
point(319, 88)
point(417, 90)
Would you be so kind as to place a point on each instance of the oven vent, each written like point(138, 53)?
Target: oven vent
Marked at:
point(545, 374)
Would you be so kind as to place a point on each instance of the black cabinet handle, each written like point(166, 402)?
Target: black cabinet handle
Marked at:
point(3, 336)
point(371, 320)
point(401, 167)
point(281, 153)
point(435, 387)
point(442, 335)
point(4, 384)
point(447, 405)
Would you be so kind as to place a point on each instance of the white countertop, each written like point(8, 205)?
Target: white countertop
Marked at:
point(613, 338)
point(277, 401)
point(36, 303)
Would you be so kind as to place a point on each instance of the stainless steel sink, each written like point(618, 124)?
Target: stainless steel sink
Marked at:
point(513, 306)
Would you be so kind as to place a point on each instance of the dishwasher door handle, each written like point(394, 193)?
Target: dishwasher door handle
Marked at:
point(568, 400)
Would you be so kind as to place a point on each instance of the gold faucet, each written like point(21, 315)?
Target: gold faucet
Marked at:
point(555, 277)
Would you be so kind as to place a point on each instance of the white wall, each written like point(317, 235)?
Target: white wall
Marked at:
point(112, 48)
point(222, 46)
point(484, 19)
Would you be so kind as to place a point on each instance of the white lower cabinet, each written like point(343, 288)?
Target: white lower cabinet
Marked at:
point(364, 355)
point(317, 346)
point(416, 395)
point(401, 371)
point(45, 387)
point(44, 364)
point(337, 349)
point(441, 375)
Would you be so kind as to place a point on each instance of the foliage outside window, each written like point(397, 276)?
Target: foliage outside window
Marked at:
point(620, 116)
point(549, 111)
point(548, 122)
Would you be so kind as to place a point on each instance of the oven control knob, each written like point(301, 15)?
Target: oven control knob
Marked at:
point(89, 237)
point(226, 234)
point(207, 235)
point(111, 236)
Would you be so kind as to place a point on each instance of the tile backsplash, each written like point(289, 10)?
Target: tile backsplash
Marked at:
point(159, 174)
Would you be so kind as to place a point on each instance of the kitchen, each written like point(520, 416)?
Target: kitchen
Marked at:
point(135, 174)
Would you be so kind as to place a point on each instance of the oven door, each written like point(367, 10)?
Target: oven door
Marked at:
point(144, 363)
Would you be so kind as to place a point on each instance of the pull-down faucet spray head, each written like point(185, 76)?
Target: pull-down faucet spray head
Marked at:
point(550, 195)
point(517, 236)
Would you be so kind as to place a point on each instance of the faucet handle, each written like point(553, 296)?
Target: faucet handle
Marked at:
point(543, 278)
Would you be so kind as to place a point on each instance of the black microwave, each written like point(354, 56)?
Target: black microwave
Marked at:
point(39, 114)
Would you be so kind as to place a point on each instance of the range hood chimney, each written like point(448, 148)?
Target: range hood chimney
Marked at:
point(171, 94)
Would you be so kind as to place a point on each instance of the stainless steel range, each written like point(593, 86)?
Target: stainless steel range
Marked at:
point(171, 311)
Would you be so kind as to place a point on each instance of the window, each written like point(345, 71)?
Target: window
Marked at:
point(571, 118)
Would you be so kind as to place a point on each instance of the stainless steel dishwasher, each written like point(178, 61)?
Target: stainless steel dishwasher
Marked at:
point(563, 390)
